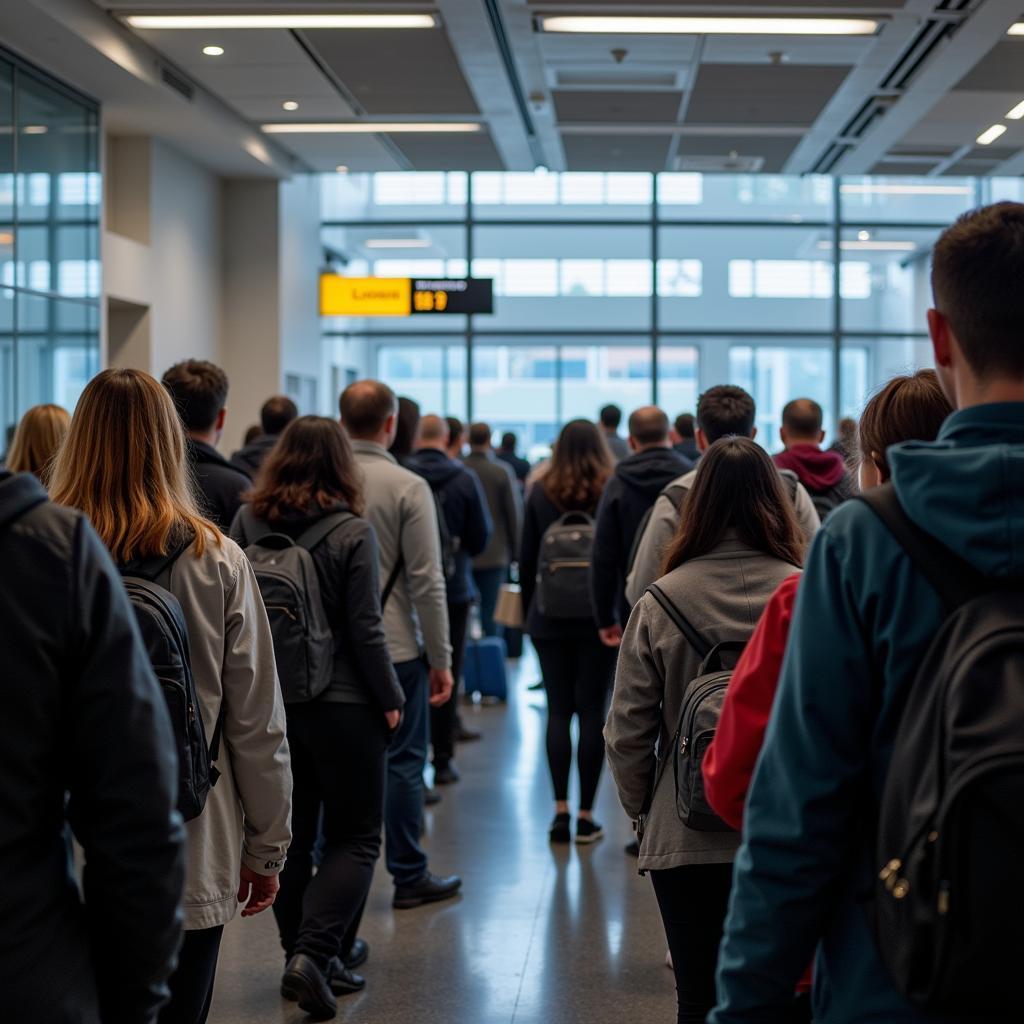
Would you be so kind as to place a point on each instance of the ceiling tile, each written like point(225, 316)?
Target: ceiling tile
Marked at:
point(616, 152)
point(772, 148)
point(450, 152)
point(613, 107)
point(1000, 70)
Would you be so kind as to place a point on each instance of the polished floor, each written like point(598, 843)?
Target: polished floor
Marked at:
point(541, 935)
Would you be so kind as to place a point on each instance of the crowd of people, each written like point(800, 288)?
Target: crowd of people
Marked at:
point(227, 679)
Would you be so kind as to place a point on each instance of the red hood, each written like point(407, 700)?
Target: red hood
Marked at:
point(818, 470)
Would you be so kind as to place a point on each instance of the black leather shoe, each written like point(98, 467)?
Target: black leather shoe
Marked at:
point(357, 955)
point(429, 889)
point(343, 981)
point(446, 774)
point(304, 983)
point(431, 797)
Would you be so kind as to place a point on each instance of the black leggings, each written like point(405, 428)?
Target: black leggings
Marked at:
point(577, 676)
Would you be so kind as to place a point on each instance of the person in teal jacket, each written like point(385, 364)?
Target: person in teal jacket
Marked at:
point(863, 620)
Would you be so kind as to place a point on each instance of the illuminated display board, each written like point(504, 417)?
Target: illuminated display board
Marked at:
point(404, 296)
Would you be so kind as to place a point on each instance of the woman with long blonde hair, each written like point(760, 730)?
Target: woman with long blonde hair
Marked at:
point(123, 464)
point(37, 440)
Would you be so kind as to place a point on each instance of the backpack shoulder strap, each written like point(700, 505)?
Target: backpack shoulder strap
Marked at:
point(158, 568)
point(676, 493)
point(255, 529)
point(693, 638)
point(955, 581)
point(320, 530)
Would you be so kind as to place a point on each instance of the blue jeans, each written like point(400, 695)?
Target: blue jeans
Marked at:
point(488, 582)
point(407, 757)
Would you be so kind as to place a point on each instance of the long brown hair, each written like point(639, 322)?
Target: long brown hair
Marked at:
point(309, 470)
point(123, 464)
point(737, 487)
point(37, 440)
point(581, 464)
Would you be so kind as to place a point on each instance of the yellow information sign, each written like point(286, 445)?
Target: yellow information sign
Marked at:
point(365, 296)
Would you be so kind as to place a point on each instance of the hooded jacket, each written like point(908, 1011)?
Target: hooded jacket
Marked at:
point(249, 458)
point(220, 484)
point(83, 716)
point(630, 493)
point(817, 470)
point(465, 512)
point(863, 620)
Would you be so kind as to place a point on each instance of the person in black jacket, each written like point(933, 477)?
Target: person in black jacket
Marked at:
point(200, 390)
point(276, 414)
point(338, 741)
point(507, 453)
point(577, 667)
point(462, 502)
point(631, 492)
point(85, 742)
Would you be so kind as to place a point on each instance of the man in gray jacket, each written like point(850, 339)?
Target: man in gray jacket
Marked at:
point(401, 510)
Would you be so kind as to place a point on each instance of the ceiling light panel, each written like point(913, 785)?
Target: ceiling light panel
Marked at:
point(989, 135)
point(372, 128)
point(737, 26)
point(1017, 113)
point(280, 21)
point(1016, 30)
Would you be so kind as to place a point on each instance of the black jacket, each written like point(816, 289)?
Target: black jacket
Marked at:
point(630, 493)
point(519, 465)
point(251, 457)
point(220, 484)
point(465, 512)
point(347, 568)
point(83, 716)
point(688, 450)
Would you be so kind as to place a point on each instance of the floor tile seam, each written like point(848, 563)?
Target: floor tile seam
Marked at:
point(541, 899)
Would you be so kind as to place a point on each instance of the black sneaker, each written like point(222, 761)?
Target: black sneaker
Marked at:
point(588, 831)
point(357, 955)
point(446, 774)
point(561, 831)
point(304, 983)
point(431, 797)
point(428, 889)
point(343, 981)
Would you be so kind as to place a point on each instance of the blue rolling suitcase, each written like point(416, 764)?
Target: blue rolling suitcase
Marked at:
point(484, 669)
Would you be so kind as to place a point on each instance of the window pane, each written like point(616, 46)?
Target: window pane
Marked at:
point(678, 381)
point(501, 195)
point(745, 197)
point(868, 363)
point(907, 200)
point(596, 373)
point(437, 195)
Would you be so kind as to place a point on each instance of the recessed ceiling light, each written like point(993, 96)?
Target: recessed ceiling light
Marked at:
point(989, 135)
point(213, 51)
point(1016, 30)
point(864, 236)
point(35, 129)
point(342, 168)
point(735, 26)
point(880, 189)
point(290, 105)
point(287, 21)
point(1017, 113)
point(370, 127)
point(397, 243)
point(862, 245)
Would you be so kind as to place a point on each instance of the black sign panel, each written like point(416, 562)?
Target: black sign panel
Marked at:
point(453, 295)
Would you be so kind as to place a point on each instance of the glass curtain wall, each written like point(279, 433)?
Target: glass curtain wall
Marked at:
point(638, 288)
point(49, 242)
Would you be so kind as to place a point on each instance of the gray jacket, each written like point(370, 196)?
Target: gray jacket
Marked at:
point(501, 489)
point(617, 445)
point(722, 595)
point(402, 512)
point(661, 528)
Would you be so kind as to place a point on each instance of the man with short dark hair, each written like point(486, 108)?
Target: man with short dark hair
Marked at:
point(823, 473)
point(629, 494)
point(200, 391)
point(608, 422)
point(456, 437)
point(686, 445)
point(808, 874)
point(276, 414)
point(507, 453)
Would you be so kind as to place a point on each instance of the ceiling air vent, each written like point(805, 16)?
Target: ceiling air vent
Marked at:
point(179, 83)
point(732, 163)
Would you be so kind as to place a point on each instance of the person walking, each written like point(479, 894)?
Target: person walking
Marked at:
point(124, 465)
point(507, 453)
point(737, 541)
point(609, 419)
point(277, 412)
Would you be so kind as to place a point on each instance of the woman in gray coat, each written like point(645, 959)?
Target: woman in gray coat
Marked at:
point(737, 541)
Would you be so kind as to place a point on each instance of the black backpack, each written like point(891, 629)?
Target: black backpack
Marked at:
point(676, 493)
point(288, 581)
point(949, 892)
point(449, 544)
point(827, 501)
point(165, 636)
point(698, 719)
point(563, 567)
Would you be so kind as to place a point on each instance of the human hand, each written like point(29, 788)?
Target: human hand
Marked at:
point(441, 686)
point(611, 636)
point(392, 718)
point(256, 892)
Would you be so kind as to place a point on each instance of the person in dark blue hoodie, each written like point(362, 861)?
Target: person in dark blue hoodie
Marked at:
point(633, 489)
point(467, 523)
point(863, 620)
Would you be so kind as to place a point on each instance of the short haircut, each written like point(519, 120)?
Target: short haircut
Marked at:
point(611, 417)
point(977, 269)
point(199, 390)
point(433, 428)
point(648, 425)
point(455, 428)
point(685, 425)
point(509, 441)
point(277, 413)
point(803, 417)
point(725, 411)
point(479, 435)
point(365, 407)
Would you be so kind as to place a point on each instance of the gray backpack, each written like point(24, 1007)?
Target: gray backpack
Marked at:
point(288, 581)
point(563, 568)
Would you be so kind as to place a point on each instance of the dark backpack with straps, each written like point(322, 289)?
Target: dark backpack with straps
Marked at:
point(288, 581)
point(165, 636)
point(449, 545)
point(563, 567)
point(949, 892)
point(698, 719)
point(676, 493)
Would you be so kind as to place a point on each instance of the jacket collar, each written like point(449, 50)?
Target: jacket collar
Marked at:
point(203, 452)
point(371, 448)
point(984, 424)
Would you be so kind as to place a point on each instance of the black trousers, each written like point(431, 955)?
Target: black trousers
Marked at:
point(338, 764)
point(577, 676)
point(192, 981)
point(444, 720)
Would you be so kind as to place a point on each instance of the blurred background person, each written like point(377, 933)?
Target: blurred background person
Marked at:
point(36, 440)
point(609, 419)
point(276, 414)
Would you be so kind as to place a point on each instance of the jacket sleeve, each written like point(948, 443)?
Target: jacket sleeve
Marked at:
point(802, 806)
point(477, 526)
point(806, 514)
point(661, 528)
point(634, 719)
point(606, 559)
point(123, 794)
point(362, 602)
point(254, 725)
point(529, 554)
point(237, 529)
point(729, 761)
point(420, 542)
point(512, 503)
